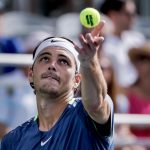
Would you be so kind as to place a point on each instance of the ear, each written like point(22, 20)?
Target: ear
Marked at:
point(30, 75)
point(77, 80)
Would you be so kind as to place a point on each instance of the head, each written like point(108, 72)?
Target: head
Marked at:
point(140, 57)
point(121, 12)
point(55, 69)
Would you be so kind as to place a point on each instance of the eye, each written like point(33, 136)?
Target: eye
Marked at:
point(44, 59)
point(64, 62)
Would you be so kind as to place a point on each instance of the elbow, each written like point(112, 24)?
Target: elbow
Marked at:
point(94, 104)
point(99, 110)
point(100, 113)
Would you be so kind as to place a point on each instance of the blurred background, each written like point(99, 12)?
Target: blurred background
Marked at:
point(125, 59)
point(26, 16)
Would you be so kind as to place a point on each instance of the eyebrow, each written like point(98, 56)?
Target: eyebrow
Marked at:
point(60, 55)
point(45, 53)
point(66, 57)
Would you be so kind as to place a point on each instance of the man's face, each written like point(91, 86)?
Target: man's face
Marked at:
point(127, 15)
point(54, 71)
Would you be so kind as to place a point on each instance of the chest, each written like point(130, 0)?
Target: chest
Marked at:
point(70, 133)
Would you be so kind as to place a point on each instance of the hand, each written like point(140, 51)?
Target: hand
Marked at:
point(91, 44)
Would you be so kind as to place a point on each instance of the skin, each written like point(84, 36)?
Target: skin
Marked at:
point(55, 80)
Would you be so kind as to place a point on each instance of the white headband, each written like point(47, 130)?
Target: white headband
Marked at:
point(61, 43)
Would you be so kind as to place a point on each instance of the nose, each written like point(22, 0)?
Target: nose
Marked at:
point(52, 66)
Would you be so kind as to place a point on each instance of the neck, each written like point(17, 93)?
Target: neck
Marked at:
point(50, 110)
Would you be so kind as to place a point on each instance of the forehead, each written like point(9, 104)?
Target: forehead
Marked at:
point(57, 51)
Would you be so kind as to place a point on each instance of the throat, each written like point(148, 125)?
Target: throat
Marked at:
point(49, 115)
point(50, 110)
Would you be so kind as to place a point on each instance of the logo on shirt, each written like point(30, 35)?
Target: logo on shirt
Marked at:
point(44, 142)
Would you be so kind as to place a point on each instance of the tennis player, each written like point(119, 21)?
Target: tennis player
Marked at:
point(64, 122)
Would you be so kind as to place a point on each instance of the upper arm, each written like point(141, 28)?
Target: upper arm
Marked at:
point(102, 113)
point(102, 129)
point(107, 128)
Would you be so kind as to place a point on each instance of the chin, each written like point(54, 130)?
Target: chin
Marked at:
point(51, 93)
point(49, 89)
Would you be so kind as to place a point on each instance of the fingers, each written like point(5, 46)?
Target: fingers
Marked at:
point(98, 40)
point(94, 42)
point(84, 44)
point(91, 41)
point(97, 30)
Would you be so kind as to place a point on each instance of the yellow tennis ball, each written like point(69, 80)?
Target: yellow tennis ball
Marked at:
point(90, 17)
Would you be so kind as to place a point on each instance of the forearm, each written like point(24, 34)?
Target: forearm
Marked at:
point(94, 90)
point(93, 86)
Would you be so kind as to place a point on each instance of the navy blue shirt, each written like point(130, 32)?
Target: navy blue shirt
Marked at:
point(74, 130)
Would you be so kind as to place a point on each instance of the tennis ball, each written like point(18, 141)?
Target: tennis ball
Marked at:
point(89, 17)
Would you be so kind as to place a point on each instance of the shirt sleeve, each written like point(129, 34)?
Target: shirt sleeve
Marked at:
point(107, 128)
point(4, 144)
point(10, 140)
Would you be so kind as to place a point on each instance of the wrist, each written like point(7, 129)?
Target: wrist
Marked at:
point(90, 65)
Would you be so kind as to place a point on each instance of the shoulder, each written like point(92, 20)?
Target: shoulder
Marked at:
point(80, 108)
point(14, 136)
point(77, 102)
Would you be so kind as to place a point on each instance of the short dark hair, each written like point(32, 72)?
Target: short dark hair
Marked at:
point(109, 5)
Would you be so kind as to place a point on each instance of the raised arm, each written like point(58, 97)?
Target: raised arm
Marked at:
point(93, 87)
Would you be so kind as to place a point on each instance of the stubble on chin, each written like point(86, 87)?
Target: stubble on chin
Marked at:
point(50, 92)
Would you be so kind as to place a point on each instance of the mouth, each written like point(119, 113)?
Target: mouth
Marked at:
point(51, 75)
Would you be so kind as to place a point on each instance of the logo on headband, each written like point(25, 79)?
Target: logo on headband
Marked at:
point(53, 41)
